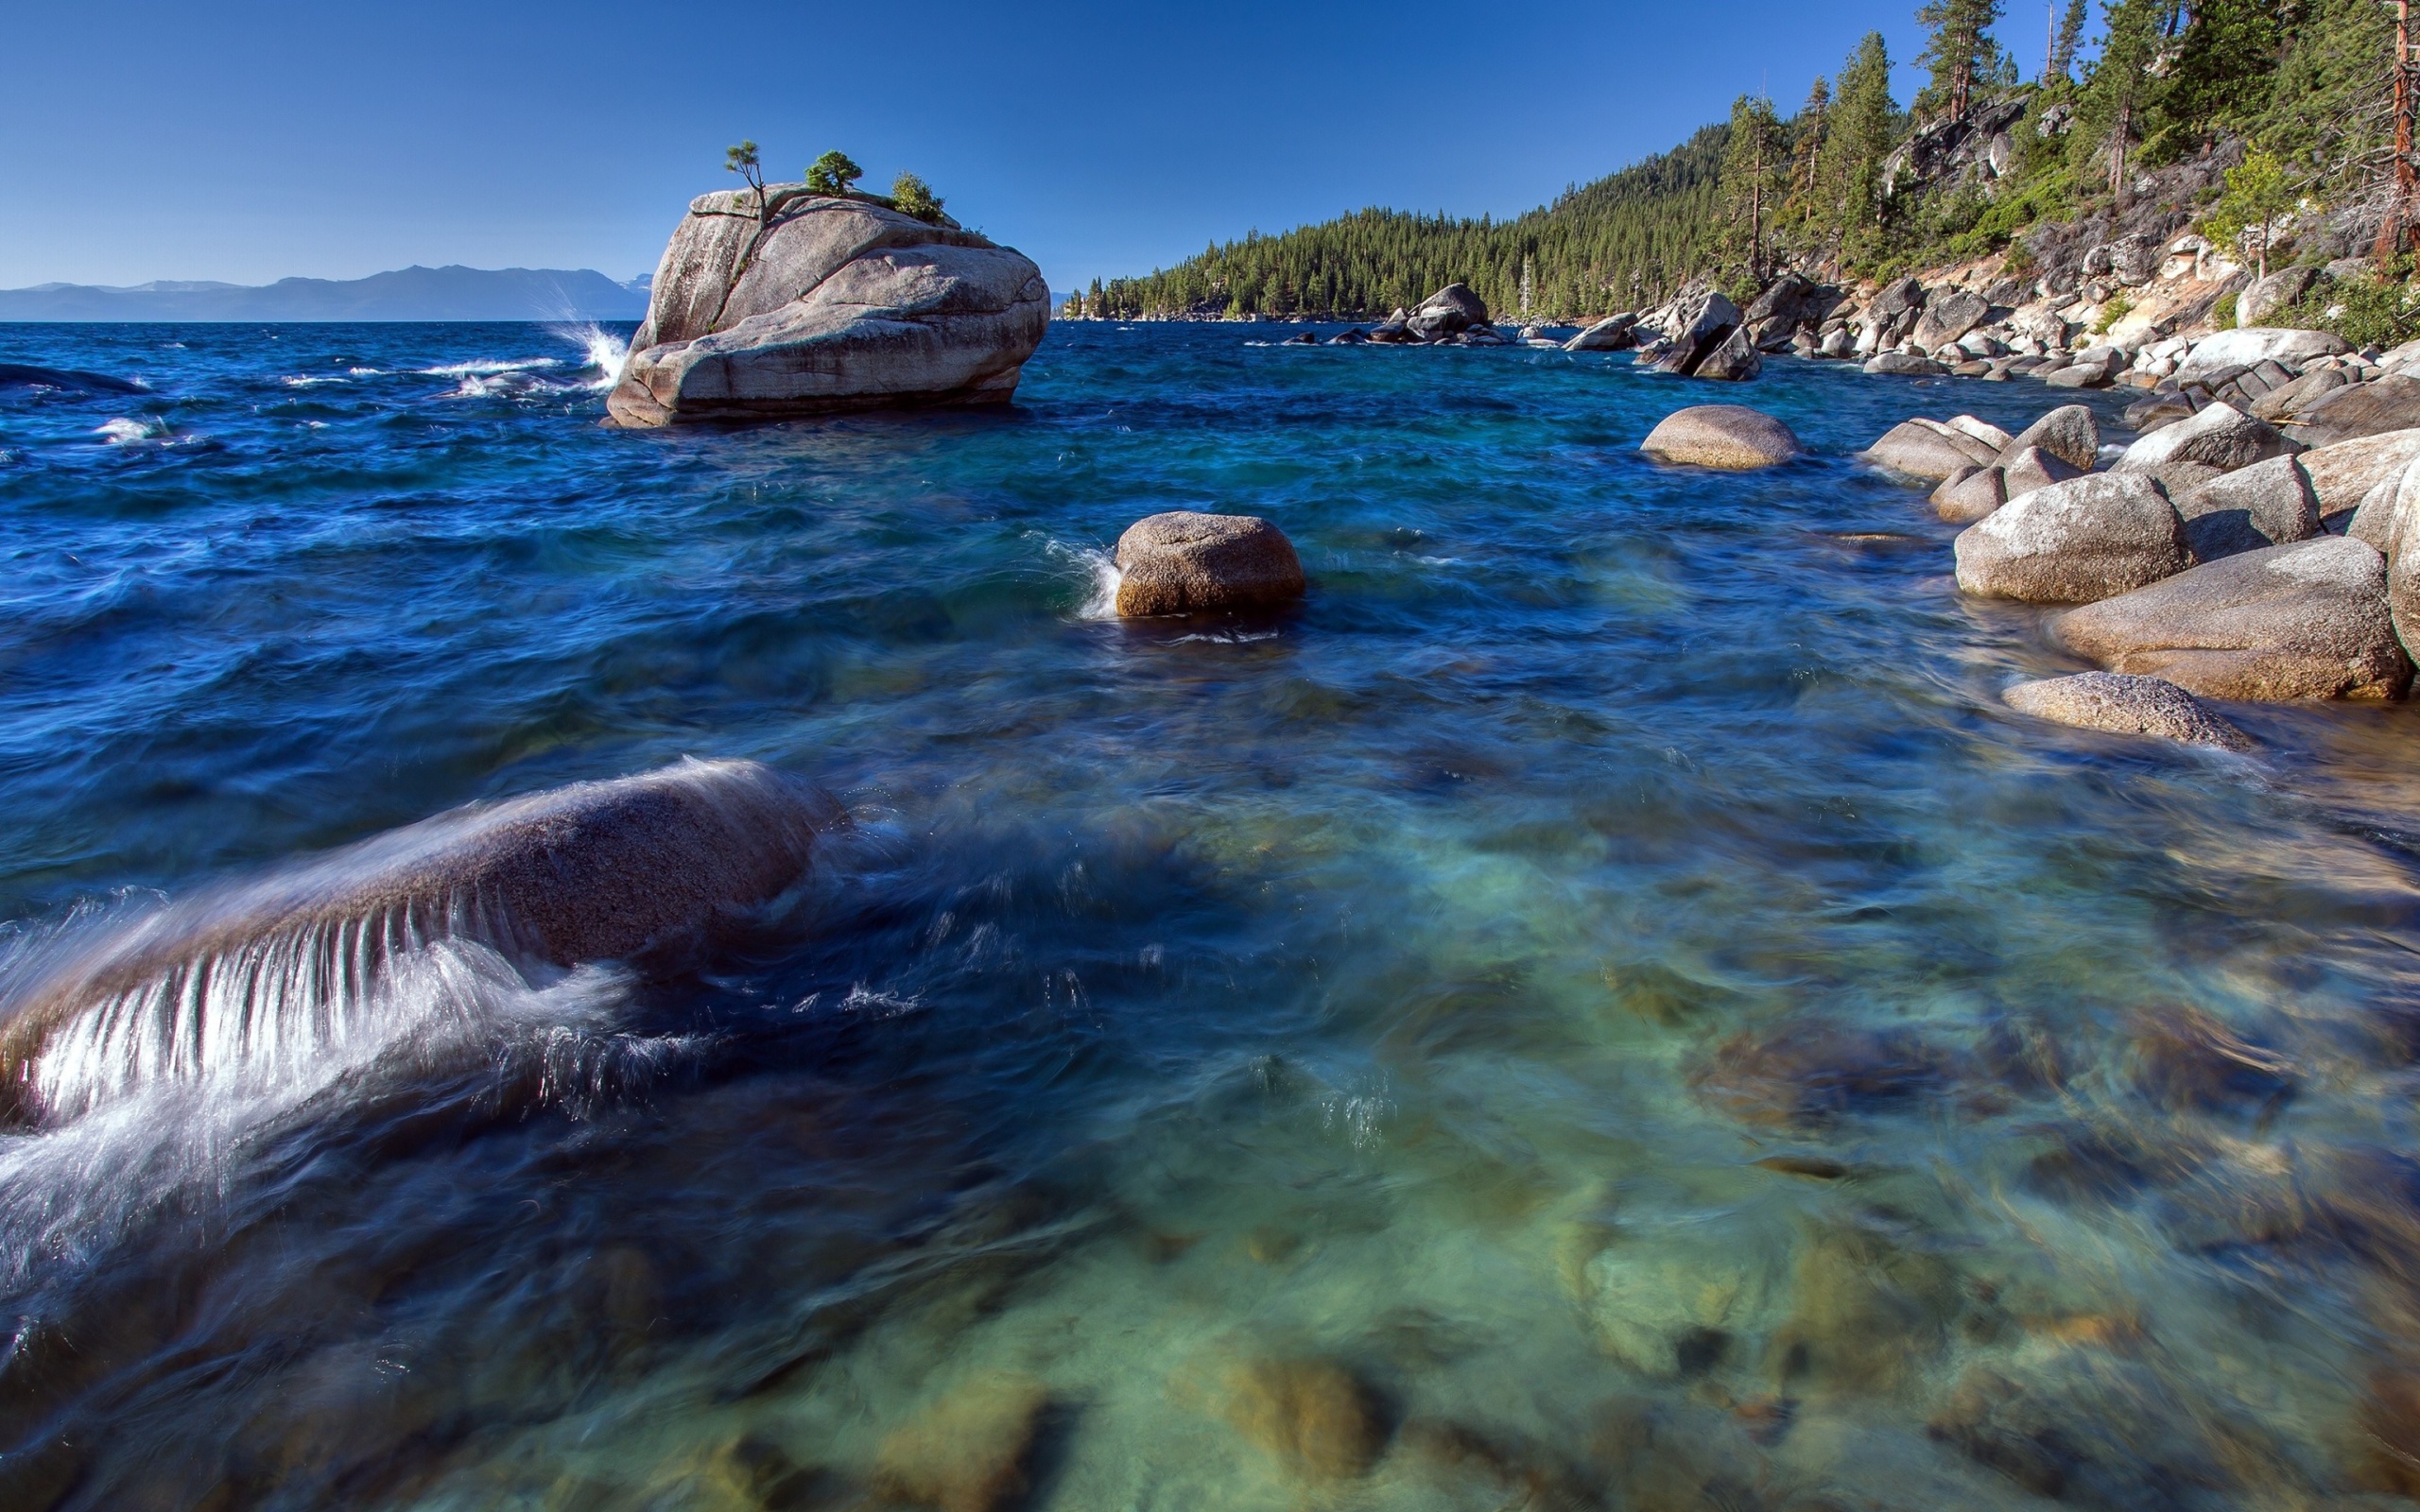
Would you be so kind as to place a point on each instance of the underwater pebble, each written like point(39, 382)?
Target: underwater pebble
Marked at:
point(967, 1452)
point(1313, 1416)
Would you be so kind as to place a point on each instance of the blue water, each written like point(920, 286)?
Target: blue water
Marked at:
point(1409, 984)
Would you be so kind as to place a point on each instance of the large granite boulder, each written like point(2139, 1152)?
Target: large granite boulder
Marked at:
point(1736, 360)
point(1730, 437)
point(2253, 345)
point(1969, 494)
point(2268, 503)
point(2068, 432)
point(1185, 564)
point(2290, 401)
point(2307, 620)
point(2029, 468)
point(1903, 364)
point(1948, 315)
point(2263, 296)
point(1928, 449)
point(1615, 332)
point(827, 304)
point(2126, 705)
point(2391, 404)
point(2342, 474)
point(1694, 328)
point(2090, 538)
point(1450, 312)
point(2217, 436)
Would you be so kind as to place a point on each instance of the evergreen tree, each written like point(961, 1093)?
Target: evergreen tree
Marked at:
point(1805, 147)
point(1857, 136)
point(912, 196)
point(2218, 75)
point(833, 174)
point(2063, 47)
point(2258, 196)
point(743, 161)
point(2109, 117)
point(1960, 53)
point(1755, 170)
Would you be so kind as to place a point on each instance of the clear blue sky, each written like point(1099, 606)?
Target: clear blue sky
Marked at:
point(247, 141)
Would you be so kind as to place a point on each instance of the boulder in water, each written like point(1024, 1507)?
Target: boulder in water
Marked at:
point(1970, 493)
point(826, 303)
point(2073, 543)
point(2126, 705)
point(1736, 360)
point(1731, 436)
point(1302, 339)
point(1185, 564)
point(1928, 449)
point(1450, 312)
point(1615, 332)
point(2307, 620)
point(1355, 338)
point(597, 871)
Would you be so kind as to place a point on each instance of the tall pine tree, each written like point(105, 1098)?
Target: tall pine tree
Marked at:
point(1755, 178)
point(2109, 119)
point(1960, 53)
point(1856, 137)
point(1805, 147)
point(2062, 47)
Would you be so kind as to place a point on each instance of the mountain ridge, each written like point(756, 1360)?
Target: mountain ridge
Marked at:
point(453, 292)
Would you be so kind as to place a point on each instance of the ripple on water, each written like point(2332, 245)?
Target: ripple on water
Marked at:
point(1601, 1007)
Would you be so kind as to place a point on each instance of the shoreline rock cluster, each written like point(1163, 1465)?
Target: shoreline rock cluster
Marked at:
point(2216, 558)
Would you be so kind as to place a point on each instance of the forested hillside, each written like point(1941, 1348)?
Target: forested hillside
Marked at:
point(1853, 185)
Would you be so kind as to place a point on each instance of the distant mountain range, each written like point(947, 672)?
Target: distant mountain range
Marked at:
point(407, 294)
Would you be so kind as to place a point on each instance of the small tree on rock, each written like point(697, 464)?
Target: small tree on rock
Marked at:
point(742, 160)
point(2258, 196)
point(913, 195)
point(833, 174)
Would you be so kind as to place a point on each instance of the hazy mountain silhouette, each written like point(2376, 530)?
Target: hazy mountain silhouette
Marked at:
point(407, 294)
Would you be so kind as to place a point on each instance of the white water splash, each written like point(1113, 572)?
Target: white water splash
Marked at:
point(606, 351)
point(1100, 570)
point(144, 1144)
point(126, 431)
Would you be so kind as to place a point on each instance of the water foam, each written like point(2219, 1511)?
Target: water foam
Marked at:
point(127, 431)
point(145, 1144)
point(1100, 573)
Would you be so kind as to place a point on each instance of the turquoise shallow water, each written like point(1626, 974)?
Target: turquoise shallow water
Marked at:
point(1601, 1007)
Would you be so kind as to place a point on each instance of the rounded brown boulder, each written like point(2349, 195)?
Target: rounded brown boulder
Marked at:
point(1732, 437)
point(1182, 563)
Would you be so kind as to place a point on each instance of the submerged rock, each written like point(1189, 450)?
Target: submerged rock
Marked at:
point(1312, 1415)
point(1184, 563)
point(1814, 1070)
point(595, 871)
point(2072, 543)
point(2302, 620)
point(2126, 706)
point(1671, 1306)
point(829, 304)
point(967, 1452)
point(1732, 437)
